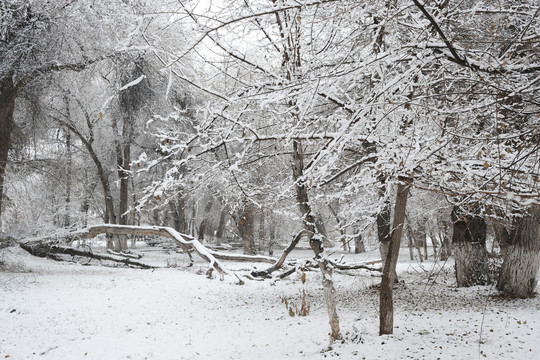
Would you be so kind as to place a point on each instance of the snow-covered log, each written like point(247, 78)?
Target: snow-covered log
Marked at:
point(43, 249)
point(212, 257)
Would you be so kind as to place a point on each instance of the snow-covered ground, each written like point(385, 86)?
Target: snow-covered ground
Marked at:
point(56, 310)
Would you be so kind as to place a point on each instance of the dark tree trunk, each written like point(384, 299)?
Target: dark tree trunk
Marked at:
point(383, 227)
point(221, 226)
point(246, 228)
point(519, 271)
point(8, 94)
point(203, 226)
point(502, 237)
point(272, 236)
point(89, 188)
point(469, 242)
point(386, 313)
point(178, 214)
point(262, 232)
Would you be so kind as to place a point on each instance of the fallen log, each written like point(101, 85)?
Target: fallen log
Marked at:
point(355, 266)
point(41, 249)
point(183, 240)
point(125, 254)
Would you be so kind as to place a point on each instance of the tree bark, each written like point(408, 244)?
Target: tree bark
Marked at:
point(383, 225)
point(221, 226)
point(67, 199)
point(359, 246)
point(261, 233)
point(246, 228)
point(518, 276)
point(204, 223)
point(470, 254)
point(178, 214)
point(8, 94)
point(315, 239)
point(445, 247)
point(502, 237)
point(42, 249)
point(102, 175)
point(386, 312)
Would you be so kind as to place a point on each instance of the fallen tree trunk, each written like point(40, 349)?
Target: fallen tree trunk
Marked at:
point(124, 254)
point(183, 240)
point(355, 266)
point(41, 249)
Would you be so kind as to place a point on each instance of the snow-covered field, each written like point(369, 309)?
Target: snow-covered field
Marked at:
point(56, 310)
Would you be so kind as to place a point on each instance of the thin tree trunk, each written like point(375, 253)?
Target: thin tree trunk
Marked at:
point(469, 241)
point(89, 189)
point(424, 243)
point(386, 313)
point(315, 239)
point(518, 276)
point(67, 199)
point(445, 247)
point(343, 238)
point(383, 225)
point(408, 233)
point(411, 247)
point(103, 178)
point(262, 232)
point(8, 94)
point(272, 236)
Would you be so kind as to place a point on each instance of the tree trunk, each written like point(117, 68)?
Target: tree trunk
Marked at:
point(411, 247)
point(383, 226)
point(518, 276)
point(359, 246)
point(204, 223)
point(272, 236)
point(89, 188)
point(469, 241)
point(262, 232)
point(8, 94)
point(178, 214)
point(110, 217)
point(342, 232)
point(221, 226)
point(386, 312)
point(502, 237)
point(445, 247)
point(246, 227)
point(321, 229)
point(67, 203)
point(315, 239)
